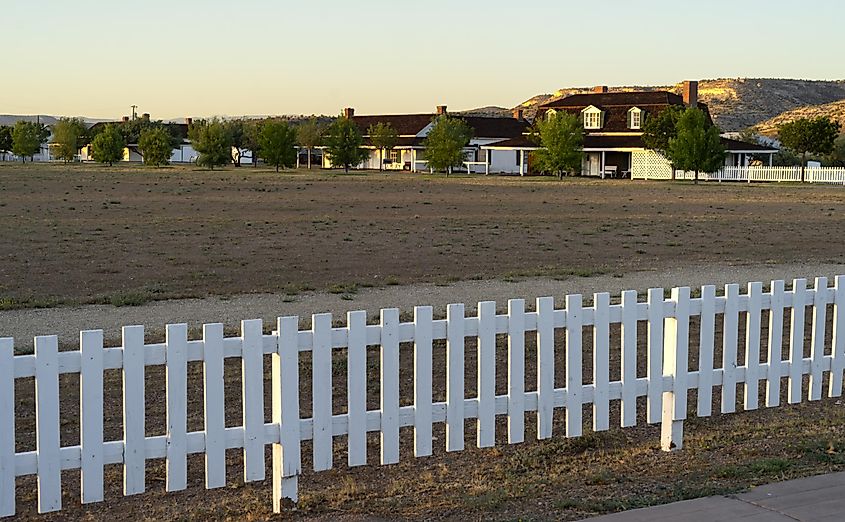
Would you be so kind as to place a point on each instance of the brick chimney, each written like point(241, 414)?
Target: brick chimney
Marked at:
point(518, 114)
point(690, 93)
point(125, 119)
point(189, 121)
point(348, 112)
point(441, 110)
point(600, 89)
point(146, 116)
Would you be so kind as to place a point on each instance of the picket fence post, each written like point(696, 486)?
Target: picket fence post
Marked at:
point(7, 427)
point(676, 359)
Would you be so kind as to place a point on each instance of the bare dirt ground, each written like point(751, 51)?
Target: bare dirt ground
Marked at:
point(126, 235)
point(80, 234)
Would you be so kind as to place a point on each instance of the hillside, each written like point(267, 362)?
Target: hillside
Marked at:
point(835, 111)
point(736, 104)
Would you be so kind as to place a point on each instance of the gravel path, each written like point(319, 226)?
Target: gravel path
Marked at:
point(66, 322)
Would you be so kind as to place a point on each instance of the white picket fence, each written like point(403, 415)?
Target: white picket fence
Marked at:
point(665, 385)
point(832, 175)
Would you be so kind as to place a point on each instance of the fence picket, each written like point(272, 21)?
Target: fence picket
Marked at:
point(796, 340)
point(676, 360)
point(356, 391)
point(545, 366)
point(573, 365)
point(838, 339)
point(177, 406)
point(516, 371)
point(390, 386)
point(775, 344)
point(47, 423)
point(752, 346)
point(817, 341)
point(287, 463)
point(91, 413)
point(455, 320)
point(321, 395)
point(707, 334)
point(654, 410)
point(214, 406)
point(601, 362)
point(7, 427)
point(486, 423)
point(252, 394)
point(134, 411)
point(629, 358)
point(730, 340)
point(423, 333)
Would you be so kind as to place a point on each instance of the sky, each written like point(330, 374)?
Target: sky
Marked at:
point(179, 58)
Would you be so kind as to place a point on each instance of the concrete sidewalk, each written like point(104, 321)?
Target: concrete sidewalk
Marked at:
point(820, 498)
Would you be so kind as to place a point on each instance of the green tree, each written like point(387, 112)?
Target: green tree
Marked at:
point(562, 140)
point(213, 141)
point(252, 139)
point(5, 140)
point(236, 129)
point(156, 145)
point(278, 142)
point(27, 138)
point(384, 138)
point(343, 143)
point(809, 135)
point(309, 135)
point(68, 137)
point(444, 145)
point(837, 156)
point(659, 128)
point(696, 146)
point(108, 145)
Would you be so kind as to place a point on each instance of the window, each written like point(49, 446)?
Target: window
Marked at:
point(517, 156)
point(592, 118)
point(395, 156)
point(635, 118)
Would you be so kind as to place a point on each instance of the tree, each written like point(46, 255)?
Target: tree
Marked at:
point(278, 142)
point(444, 145)
point(562, 140)
point(108, 145)
point(343, 143)
point(27, 138)
point(68, 137)
point(384, 138)
point(252, 139)
point(309, 135)
point(809, 135)
point(237, 134)
point(660, 128)
point(697, 146)
point(5, 140)
point(212, 140)
point(156, 145)
point(837, 156)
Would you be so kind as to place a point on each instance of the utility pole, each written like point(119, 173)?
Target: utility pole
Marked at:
point(133, 111)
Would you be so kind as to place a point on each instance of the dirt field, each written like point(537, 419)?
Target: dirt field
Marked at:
point(96, 234)
point(89, 234)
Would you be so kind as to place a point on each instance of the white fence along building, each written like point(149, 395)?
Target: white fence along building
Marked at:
point(665, 323)
point(831, 175)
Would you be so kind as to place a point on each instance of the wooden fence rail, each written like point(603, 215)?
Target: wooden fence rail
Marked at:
point(665, 385)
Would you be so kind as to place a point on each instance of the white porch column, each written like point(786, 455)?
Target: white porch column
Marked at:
point(413, 160)
point(487, 162)
point(297, 157)
point(770, 159)
point(521, 162)
point(601, 166)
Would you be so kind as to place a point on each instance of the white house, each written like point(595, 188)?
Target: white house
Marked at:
point(412, 129)
point(613, 123)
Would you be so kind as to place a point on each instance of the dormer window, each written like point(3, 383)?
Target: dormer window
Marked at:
point(593, 117)
point(635, 118)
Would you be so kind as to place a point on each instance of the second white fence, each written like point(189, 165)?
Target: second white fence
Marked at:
point(831, 175)
point(665, 385)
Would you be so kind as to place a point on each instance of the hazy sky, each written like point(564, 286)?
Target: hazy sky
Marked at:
point(178, 58)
